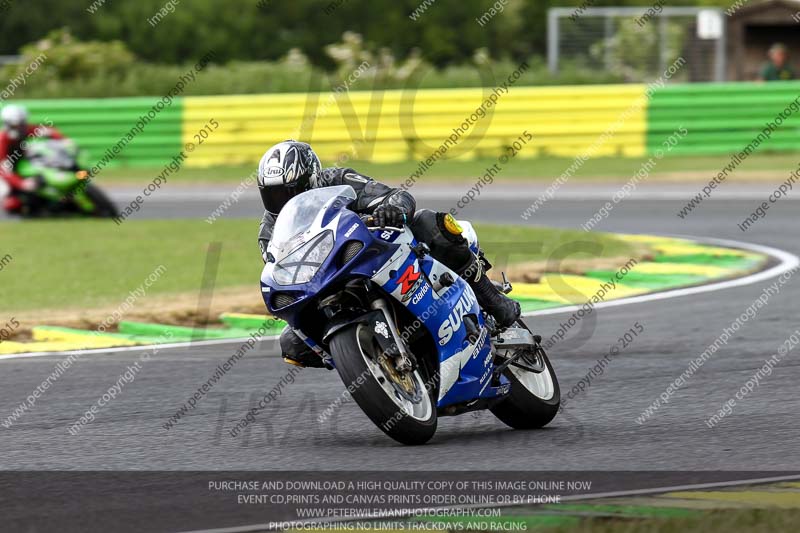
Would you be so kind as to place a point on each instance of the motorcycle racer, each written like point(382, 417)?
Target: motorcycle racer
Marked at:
point(291, 167)
point(15, 132)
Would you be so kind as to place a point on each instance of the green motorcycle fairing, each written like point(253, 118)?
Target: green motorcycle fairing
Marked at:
point(48, 159)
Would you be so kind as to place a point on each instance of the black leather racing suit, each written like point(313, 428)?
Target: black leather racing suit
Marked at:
point(369, 195)
point(427, 226)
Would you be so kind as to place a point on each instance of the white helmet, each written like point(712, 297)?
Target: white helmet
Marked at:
point(15, 120)
point(287, 169)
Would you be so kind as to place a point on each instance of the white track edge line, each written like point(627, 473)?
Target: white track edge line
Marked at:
point(139, 347)
point(788, 261)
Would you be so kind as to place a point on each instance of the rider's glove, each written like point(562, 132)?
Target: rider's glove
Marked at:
point(389, 215)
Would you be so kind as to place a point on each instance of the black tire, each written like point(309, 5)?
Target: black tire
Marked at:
point(103, 206)
point(371, 396)
point(524, 410)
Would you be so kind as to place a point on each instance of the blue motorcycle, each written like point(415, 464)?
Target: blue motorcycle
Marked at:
point(404, 332)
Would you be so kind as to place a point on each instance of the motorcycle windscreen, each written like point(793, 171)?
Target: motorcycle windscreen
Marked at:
point(298, 218)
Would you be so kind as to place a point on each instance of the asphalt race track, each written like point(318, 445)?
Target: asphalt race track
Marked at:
point(598, 430)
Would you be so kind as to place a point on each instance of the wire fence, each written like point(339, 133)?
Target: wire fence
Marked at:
point(638, 43)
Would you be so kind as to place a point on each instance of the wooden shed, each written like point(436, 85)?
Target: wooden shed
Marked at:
point(756, 26)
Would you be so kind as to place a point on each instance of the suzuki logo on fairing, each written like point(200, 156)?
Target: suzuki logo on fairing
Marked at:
point(350, 230)
point(407, 279)
point(453, 322)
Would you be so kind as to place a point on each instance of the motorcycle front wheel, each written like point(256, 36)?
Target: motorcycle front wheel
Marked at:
point(400, 404)
point(103, 206)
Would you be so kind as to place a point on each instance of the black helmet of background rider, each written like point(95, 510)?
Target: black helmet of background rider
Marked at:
point(286, 170)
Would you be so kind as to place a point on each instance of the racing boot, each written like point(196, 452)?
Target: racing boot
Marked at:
point(504, 310)
point(296, 352)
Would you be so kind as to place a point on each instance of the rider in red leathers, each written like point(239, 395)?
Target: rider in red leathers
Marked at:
point(16, 131)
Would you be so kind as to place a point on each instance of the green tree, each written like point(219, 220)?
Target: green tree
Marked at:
point(446, 33)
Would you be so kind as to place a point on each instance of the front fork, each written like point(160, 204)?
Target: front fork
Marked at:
point(382, 322)
point(405, 360)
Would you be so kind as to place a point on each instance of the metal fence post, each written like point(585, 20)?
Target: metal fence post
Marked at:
point(553, 40)
point(721, 60)
point(662, 43)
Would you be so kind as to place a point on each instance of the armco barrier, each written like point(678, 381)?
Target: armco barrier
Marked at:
point(723, 118)
point(400, 125)
point(97, 125)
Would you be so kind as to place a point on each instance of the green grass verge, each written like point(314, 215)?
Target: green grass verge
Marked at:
point(741, 521)
point(541, 169)
point(86, 263)
point(630, 519)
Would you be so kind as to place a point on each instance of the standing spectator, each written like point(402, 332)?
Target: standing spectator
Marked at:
point(777, 68)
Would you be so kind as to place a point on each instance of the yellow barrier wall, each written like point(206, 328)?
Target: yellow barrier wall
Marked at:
point(402, 125)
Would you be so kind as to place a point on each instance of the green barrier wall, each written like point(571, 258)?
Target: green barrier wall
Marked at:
point(720, 118)
point(98, 124)
point(724, 118)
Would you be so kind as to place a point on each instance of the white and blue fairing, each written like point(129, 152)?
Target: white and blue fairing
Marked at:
point(305, 257)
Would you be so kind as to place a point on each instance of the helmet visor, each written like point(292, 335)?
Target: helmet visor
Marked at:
point(276, 196)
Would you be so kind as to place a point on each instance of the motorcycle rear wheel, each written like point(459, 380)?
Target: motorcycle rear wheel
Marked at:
point(534, 399)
